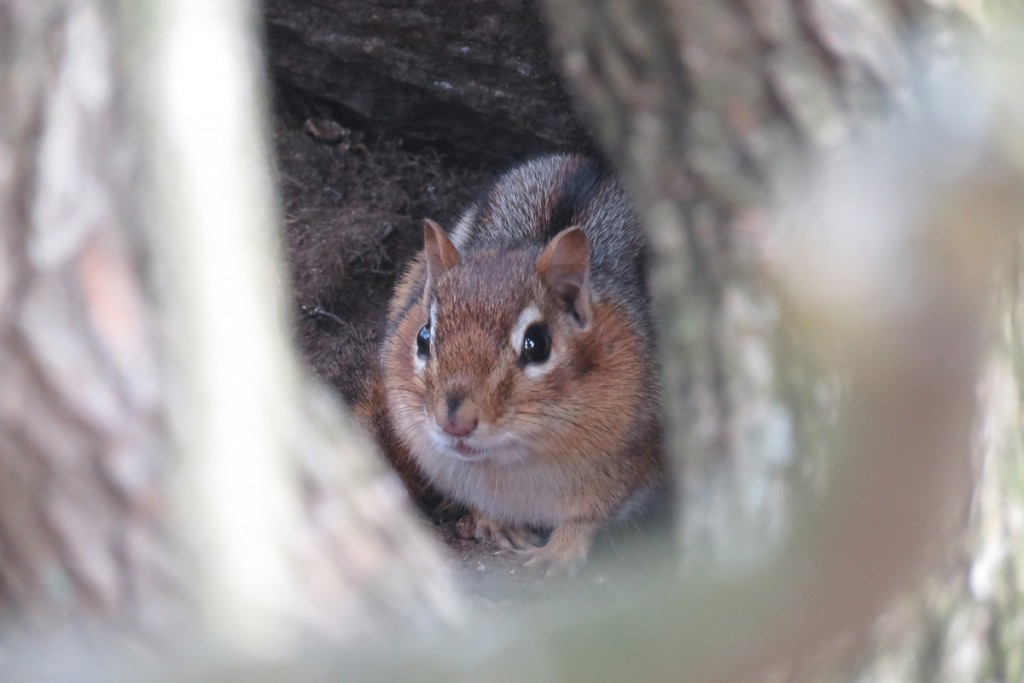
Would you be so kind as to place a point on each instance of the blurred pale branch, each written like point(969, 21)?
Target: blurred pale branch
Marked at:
point(251, 439)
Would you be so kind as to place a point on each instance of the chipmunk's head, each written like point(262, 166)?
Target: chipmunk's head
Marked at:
point(486, 365)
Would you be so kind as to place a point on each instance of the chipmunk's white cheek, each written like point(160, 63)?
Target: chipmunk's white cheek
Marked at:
point(538, 370)
point(436, 437)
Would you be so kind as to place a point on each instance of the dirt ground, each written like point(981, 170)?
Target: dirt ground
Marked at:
point(353, 210)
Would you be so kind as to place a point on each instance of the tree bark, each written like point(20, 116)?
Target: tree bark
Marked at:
point(82, 523)
point(150, 397)
point(708, 109)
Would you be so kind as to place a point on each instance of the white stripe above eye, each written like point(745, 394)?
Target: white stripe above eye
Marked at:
point(529, 316)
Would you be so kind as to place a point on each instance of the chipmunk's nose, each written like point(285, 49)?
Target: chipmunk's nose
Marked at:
point(459, 417)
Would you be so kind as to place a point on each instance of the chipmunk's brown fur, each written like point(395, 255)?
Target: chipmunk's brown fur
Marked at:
point(533, 397)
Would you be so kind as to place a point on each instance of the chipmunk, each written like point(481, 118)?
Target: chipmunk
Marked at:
point(519, 365)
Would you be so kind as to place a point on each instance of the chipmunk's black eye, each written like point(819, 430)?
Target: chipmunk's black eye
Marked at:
point(423, 341)
point(536, 344)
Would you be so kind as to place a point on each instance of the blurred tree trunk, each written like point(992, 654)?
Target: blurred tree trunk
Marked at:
point(708, 109)
point(82, 524)
point(112, 397)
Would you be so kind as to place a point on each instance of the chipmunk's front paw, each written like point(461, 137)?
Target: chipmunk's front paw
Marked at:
point(502, 534)
point(554, 561)
point(565, 552)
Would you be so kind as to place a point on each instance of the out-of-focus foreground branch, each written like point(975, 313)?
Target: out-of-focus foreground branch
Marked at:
point(133, 160)
point(706, 109)
point(292, 527)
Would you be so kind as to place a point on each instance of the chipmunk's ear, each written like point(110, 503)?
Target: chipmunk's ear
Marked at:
point(440, 252)
point(565, 265)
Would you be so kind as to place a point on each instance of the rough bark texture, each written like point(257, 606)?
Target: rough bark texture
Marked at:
point(706, 107)
point(473, 78)
point(86, 462)
point(82, 516)
point(289, 521)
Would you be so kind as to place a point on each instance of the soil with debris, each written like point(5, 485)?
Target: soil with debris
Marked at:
point(353, 208)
